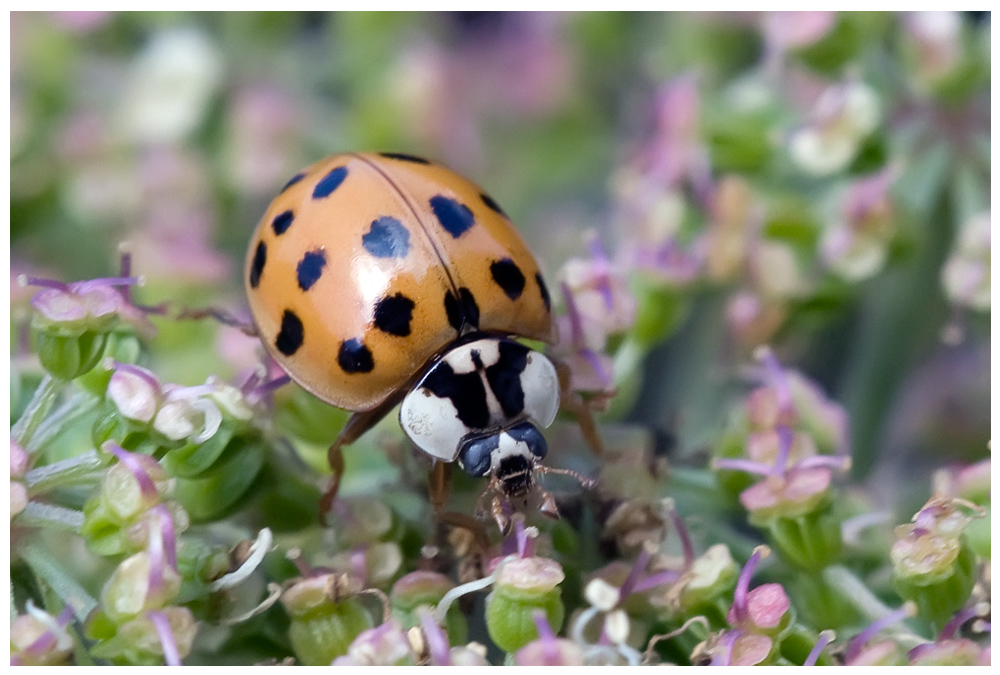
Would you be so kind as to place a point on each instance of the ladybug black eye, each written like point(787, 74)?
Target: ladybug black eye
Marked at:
point(527, 433)
point(476, 456)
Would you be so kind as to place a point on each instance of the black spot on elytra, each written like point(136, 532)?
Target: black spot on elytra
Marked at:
point(310, 268)
point(404, 157)
point(293, 180)
point(464, 390)
point(257, 266)
point(492, 204)
point(387, 238)
point(330, 182)
point(282, 222)
point(393, 314)
point(454, 216)
point(290, 336)
point(509, 277)
point(354, 357)
point(504, 377)
point(461, 310)
point(544, 291)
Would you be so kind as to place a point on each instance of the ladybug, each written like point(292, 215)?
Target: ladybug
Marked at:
point(378, 280)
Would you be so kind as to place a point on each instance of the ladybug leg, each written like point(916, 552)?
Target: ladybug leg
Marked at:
point(335, 457)
point(356, 426)
point(575, 404)
point(439, 486)
point(222, 316)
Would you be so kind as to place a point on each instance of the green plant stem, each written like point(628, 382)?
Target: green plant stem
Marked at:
point(68, 471)
point(77, 406)
point(51, 517)
point(854, 591)
point(39, 406)
point(68, 590)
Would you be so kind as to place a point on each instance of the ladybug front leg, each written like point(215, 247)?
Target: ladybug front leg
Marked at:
point(439, 485)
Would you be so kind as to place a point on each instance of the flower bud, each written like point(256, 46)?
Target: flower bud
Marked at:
point(141, 642)
point(18, 467)
point(130, 488)
point(140, 583)
point(962, 652)
point(844, 115)
point(767, 610)
point(932, 564)
point(548, 650)
point(40, 639)
point(523, 586)
point(385, 645)
point(883, 653)
point(966, 273)
point(326, 617)
point(361, 520)
point(710, 577)
point(424, 588)
point(72, 323)
point(135, 392)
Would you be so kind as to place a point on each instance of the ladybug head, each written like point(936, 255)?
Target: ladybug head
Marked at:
point(508, 456)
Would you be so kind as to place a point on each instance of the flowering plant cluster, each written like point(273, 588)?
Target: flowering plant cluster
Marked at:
point(769, 237)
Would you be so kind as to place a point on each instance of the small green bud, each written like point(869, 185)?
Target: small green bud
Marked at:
point(69, 356)
point(884, 653)
point(424, 588)
point(932, 564)
point(122, 347)
point(39, 639)
point(712, 576)
point(138, 642)
point(326, 617)
point(135, 587)
point(385, 645)
point(961, 652)
point(523, 586)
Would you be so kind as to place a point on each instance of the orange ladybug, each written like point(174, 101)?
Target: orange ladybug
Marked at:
point(378, 280)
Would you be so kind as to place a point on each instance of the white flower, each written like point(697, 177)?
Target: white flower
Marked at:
point(171, 85)
point(966, 274)
point(777, 271)
point(844, 115)
point(188, 414)
point(852, 255)
point(135, 392)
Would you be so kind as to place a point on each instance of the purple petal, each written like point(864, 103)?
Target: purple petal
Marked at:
point(859, 641)
point(746, 465)
point(638, 569)
point(133, 464)
point(437, 640)
point(825, 638)
point(162, 625)
point(785, 437)
point(777, 377)
point(682, 532)
point(167, 534)
point(725, 657)
point(740, 609)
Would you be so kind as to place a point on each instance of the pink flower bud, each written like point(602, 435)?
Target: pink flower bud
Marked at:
point(135, 392)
